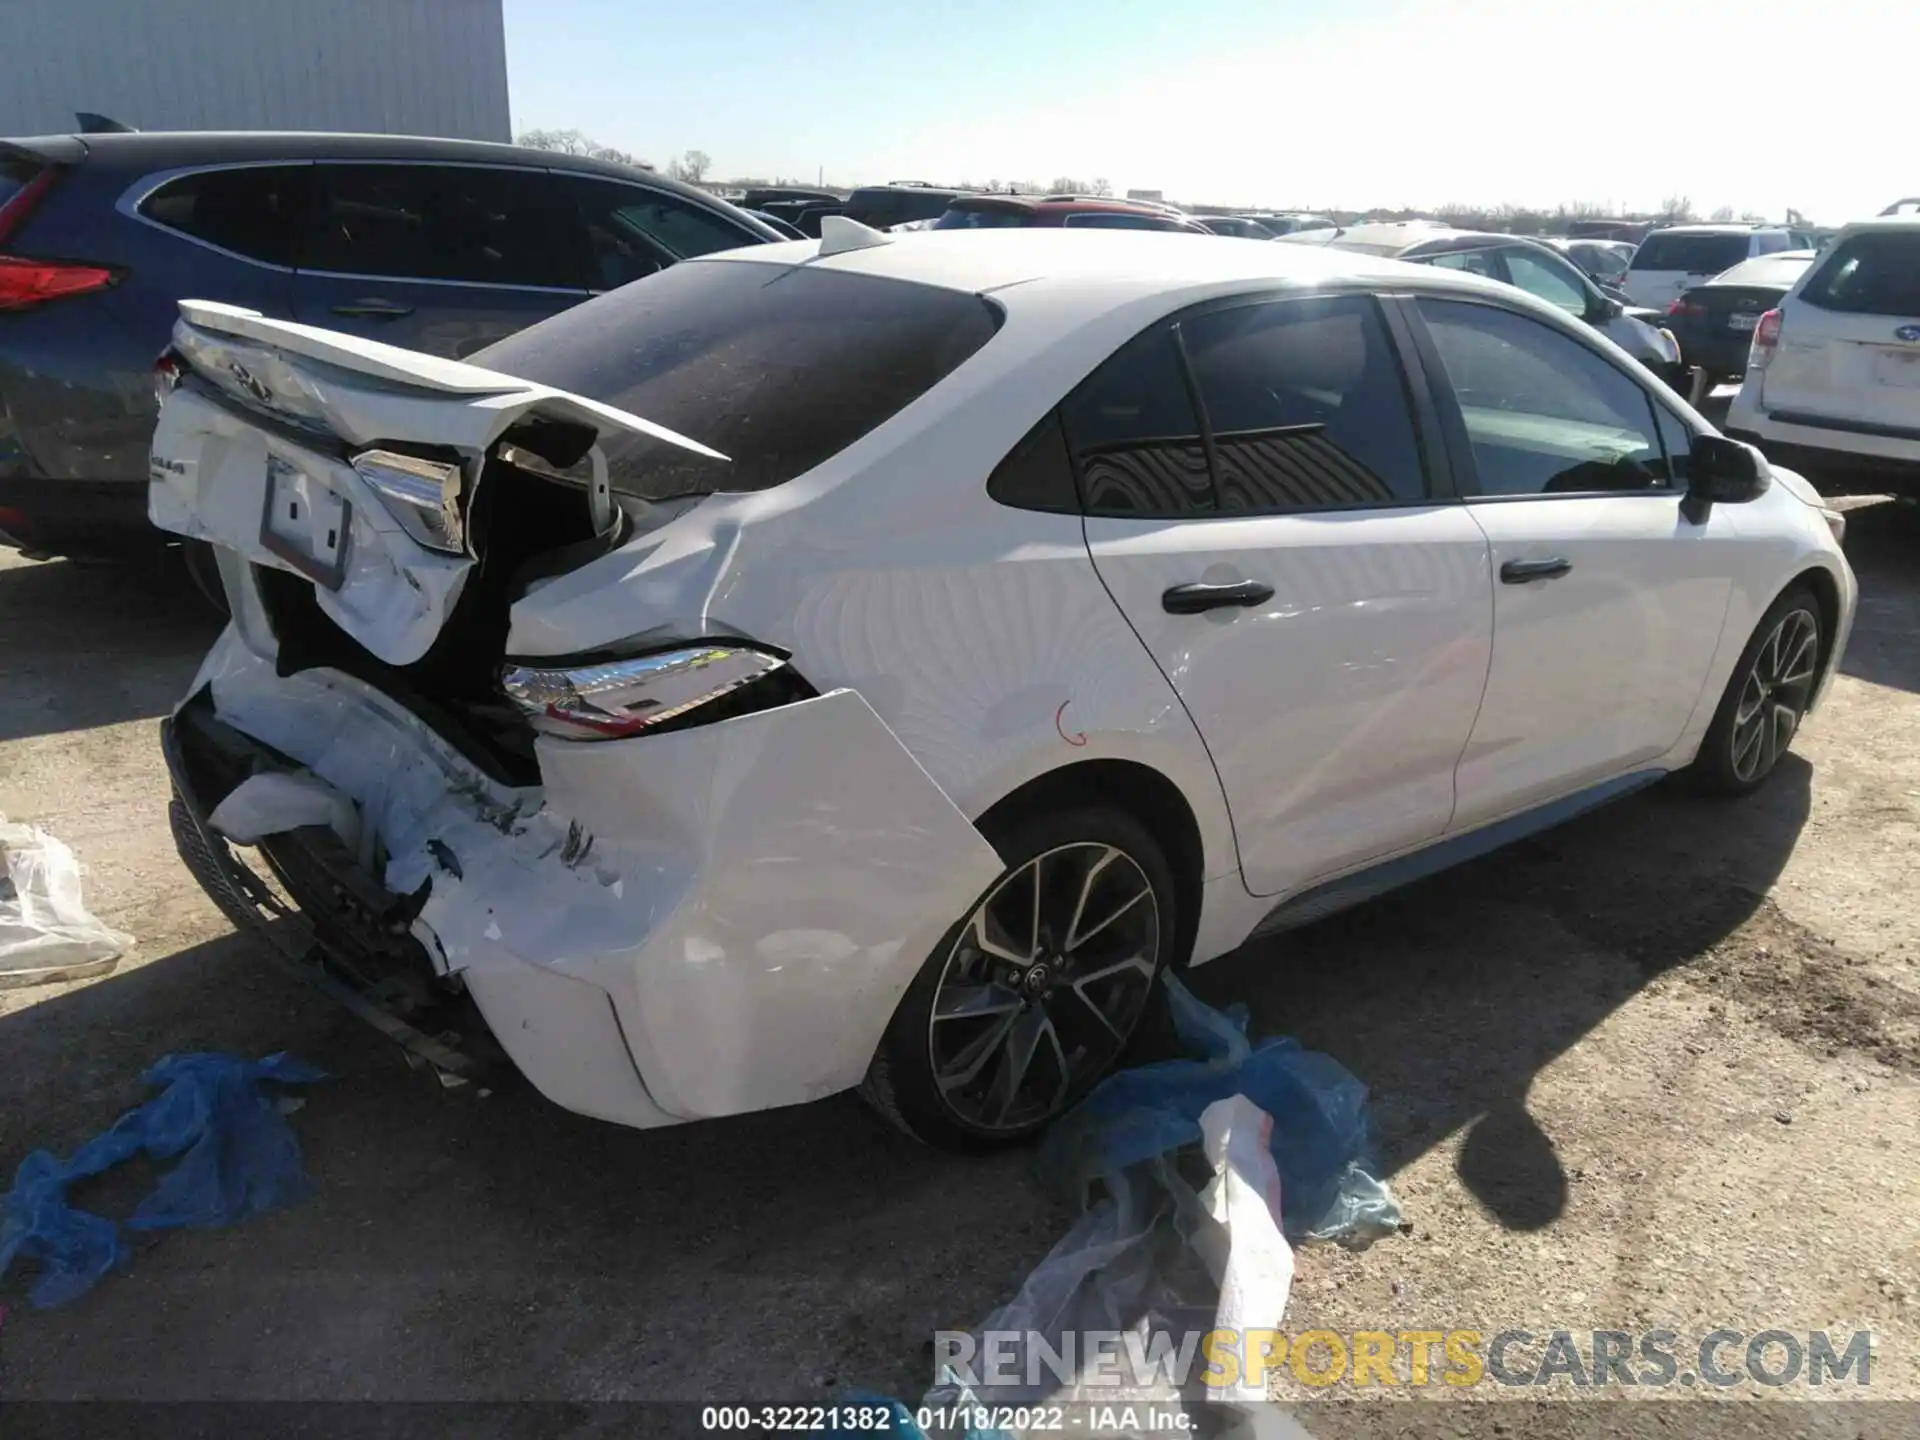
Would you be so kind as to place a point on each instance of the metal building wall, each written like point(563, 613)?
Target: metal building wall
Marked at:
point(406, 67)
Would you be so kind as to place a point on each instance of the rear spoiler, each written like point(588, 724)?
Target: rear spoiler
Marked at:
point(450, 379)
point(45, 149)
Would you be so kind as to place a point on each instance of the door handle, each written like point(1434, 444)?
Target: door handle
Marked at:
point(1196, 596)
point(1523, 572)
point(374, 309)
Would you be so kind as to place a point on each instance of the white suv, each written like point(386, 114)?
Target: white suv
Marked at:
point(1674, 260)
point(1833, 382)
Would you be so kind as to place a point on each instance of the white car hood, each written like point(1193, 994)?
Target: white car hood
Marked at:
point(304, 399)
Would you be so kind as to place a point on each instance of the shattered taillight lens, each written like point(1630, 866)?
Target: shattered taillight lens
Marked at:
point(611, 699)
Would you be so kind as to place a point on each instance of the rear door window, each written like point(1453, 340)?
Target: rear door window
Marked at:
point(1114, 220)
point(1135, 435)
point(253, 211)
point(1692, 254)
point(1875, 273)
point(777, 367)
point(471, 223)
point(1306, 405)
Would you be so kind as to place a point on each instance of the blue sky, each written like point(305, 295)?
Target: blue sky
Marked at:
point(1758, 104)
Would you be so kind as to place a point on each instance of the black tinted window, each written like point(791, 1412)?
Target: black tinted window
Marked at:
point(1135, 436)
point(633, 231)
point(1307, 405)
point(1695, 254)
point(252, 210)
point(1870, 274)
point(776, 367)
point(1037, 473)
point(1544, 414)
point(443, 222)
point(1678, 442)
point(1116, 220)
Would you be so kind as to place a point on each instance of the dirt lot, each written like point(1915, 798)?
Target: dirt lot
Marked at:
point(1657, 1068)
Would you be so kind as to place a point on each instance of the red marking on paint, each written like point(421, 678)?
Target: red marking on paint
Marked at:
point(1079, 737)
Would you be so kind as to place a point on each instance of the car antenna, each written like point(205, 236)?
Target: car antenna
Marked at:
point(839, 234)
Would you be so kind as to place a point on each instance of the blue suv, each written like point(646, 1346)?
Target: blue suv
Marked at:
point(436, 245)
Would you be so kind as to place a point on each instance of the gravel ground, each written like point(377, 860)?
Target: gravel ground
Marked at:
point(1654, 1069)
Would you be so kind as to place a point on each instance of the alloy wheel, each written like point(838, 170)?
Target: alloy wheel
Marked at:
point(1775, 695)
point(1043, 985)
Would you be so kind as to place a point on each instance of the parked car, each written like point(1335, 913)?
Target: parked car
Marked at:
point(1833, 381)
point(1678, 257)
point(1714, 322)
point(437, 245)
point(1517, 260)
point(784, 229)
point(1008, 212)
point(1604, 261)
point(1242, 227)
point(1264, 578)
point(879, 207)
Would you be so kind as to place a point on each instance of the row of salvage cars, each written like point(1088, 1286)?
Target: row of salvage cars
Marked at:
point(872, 662)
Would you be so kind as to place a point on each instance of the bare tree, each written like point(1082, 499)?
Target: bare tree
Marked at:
point(692, 166)
point(1676, 207)
point(575, 142)
point(1102, 186)
point(1723, 215)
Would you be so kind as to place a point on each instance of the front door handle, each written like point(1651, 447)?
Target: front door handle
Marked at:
point(1524, 572)
point(1196, 596)
point(373, 309)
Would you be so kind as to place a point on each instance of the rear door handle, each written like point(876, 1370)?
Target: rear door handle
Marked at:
point(1523, 572)
point(374, 309)
point(1195, 597)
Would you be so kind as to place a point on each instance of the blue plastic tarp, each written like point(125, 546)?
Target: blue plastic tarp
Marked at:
point(237, 1157)
point(1319, 1110)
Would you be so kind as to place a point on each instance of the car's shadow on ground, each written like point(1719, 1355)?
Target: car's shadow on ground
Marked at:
point(89, 645)
point(1449, 997)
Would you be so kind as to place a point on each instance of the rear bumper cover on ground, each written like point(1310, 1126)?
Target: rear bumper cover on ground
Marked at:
point(700, 923)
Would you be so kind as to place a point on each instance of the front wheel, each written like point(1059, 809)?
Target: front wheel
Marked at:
point(1032, 995)
point(1764, 701)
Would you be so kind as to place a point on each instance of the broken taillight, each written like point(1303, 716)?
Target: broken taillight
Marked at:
point(612, 699)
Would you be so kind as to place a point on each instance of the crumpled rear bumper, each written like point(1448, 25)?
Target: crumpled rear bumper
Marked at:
point(698, 923)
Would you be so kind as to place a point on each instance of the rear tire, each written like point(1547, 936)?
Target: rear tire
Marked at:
point(1010, 1022)
point(1766, 698)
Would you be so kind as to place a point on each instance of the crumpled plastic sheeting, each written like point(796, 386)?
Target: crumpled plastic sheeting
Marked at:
point(1319, 1123)
point(266, 804)
point(1159, 1264)
point(46, 932)
point(237, 1158)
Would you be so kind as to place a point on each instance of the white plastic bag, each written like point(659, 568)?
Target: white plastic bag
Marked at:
point(46, 933)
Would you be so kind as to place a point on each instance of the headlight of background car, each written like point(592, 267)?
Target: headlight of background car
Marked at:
point(610, 699)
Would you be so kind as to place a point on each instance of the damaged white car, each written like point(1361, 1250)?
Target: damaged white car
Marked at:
point(872, 662)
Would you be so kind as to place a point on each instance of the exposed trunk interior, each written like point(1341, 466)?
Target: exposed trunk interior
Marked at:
point(523, 525)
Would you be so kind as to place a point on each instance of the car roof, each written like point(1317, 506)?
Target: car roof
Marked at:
point(1097, 270)
point(1384, 237)
point(1881, 224)
point(1729, 228)
point(167, 148)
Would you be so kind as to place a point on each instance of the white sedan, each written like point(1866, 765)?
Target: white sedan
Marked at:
point(872, 662)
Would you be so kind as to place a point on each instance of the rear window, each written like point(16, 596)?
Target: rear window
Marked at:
point(250, 210)
point(881, 207)
point(1694, 254)
point(777, 367)
point(1870, 274)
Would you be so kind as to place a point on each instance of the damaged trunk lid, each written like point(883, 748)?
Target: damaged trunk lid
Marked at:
point(356, 466)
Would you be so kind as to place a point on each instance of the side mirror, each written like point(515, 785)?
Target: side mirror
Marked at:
point(1722, 472)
